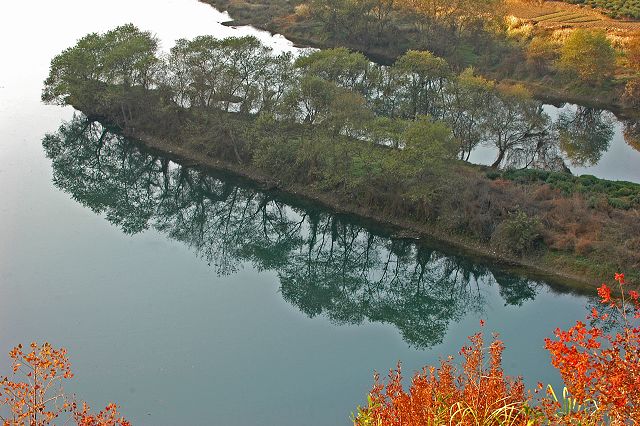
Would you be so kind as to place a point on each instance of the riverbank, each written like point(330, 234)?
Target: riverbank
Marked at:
point(557, 268)
point(314, 138)
point(304, 31)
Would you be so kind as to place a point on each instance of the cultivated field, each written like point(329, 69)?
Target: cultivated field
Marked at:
point(557, 14)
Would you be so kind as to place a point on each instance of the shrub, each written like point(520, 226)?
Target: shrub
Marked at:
point(601, 371)
point(518, 234)
point(477, 394)
point(589, 55)
point(34, 394)
point(604, 368)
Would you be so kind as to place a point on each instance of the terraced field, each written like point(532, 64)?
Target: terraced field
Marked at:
point(564, 14)
point(567, 17)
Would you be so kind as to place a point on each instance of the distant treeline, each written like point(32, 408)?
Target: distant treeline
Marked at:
point(586, 66)
point(381, 141)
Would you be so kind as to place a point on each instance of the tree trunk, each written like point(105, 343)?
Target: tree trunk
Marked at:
point(499, 159)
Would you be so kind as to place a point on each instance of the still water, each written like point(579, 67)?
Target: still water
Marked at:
point(195, 298)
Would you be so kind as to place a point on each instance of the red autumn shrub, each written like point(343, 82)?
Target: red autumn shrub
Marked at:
point(601, 371)
point(475, 395)
point(34, 394)
point(599, 367)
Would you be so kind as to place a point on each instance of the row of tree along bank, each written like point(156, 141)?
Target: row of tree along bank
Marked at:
point(590, 67)
point(385, 142)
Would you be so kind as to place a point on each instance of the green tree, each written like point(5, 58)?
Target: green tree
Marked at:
point(311, 102)
point(589, 55)
point(232, 74)
point(193, 72)
point(129, 57)
point(102, 70)
point(465, 109)
point(423, 77)
point(386, 130)
point(427, 145)
point(75, 74)
point(350, 70)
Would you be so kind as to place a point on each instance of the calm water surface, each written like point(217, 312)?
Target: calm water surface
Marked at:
point(196, 299)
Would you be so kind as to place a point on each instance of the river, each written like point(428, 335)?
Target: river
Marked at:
point(195, 298)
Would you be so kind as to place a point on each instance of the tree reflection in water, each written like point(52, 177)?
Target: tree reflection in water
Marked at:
point(585, 134)
point(327, 264)
point(631, 133)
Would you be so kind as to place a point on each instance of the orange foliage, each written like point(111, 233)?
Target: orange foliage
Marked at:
point(601, 371)
point(604, 368)
point(472, 396)
point(38, 399)
point(107, 417)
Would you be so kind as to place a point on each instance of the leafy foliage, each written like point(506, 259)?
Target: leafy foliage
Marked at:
point(600, 369)
point(518, 234)
point(477, 394)
point(589, 55)
point(34, 394)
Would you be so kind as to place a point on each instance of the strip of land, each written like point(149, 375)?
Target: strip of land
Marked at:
point(386, 143)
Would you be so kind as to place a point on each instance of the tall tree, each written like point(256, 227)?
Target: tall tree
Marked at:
point(422, 77)
point(465, 109)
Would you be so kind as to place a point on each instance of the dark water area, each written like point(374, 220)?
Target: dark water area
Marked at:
point(191, 297)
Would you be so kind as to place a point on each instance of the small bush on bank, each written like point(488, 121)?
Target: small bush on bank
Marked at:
point(519, 234)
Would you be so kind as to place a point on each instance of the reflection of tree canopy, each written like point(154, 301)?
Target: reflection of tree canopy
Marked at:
point(327, 264)
point(632, 133)
point(585, 134)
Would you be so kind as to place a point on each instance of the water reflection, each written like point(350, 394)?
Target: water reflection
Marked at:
point(585, 134)
point(327, 264)
point(631, 133)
